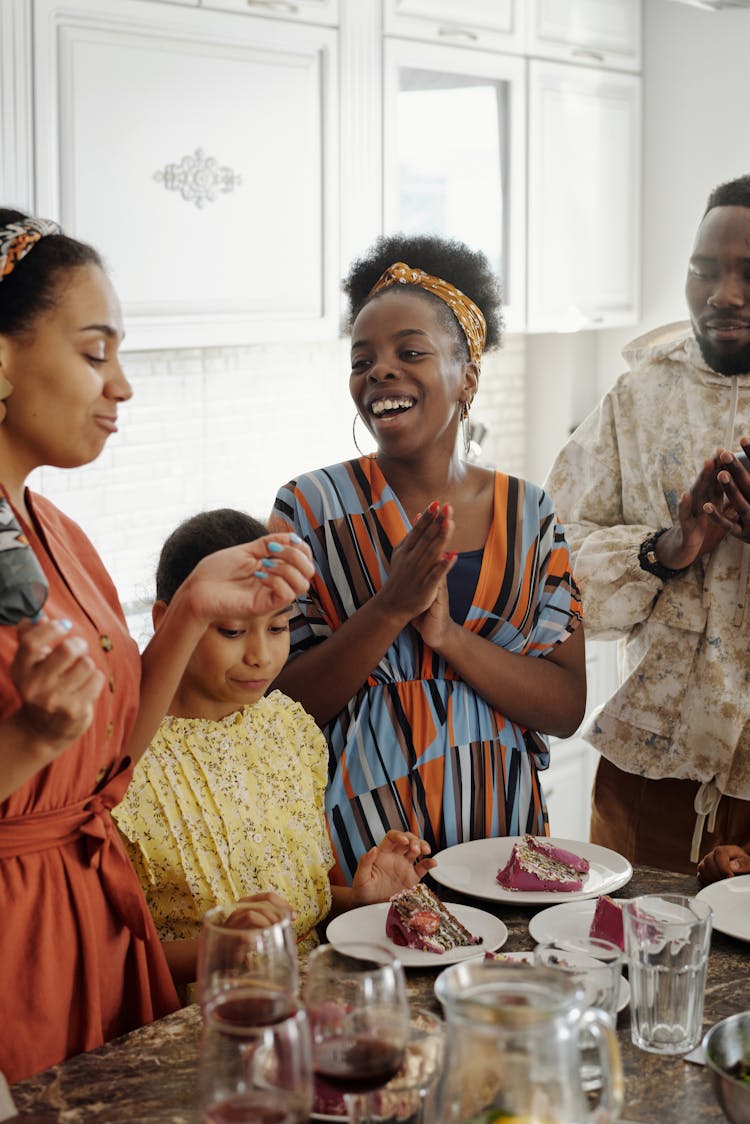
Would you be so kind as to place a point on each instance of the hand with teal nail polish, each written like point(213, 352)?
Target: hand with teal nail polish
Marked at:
point(275, 547)
point(269, 562)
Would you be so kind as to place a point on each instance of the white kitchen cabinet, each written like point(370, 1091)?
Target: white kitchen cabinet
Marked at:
point(602, 33)
point(454, 132)
point(495, 25)
point(568, 781)
point(16, 115)
point(199, 151)
point(566, 785)
point(584, 198)
point(306, 11)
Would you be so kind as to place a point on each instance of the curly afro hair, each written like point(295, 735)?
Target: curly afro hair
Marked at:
point(453, 261)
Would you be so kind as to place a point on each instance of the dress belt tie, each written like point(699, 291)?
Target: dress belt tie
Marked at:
point(89, 819)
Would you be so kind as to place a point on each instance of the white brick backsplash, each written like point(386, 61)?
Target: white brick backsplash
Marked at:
point(225, 427)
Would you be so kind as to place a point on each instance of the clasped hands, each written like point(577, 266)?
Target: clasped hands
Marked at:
point(416, 591)
point(717, 505)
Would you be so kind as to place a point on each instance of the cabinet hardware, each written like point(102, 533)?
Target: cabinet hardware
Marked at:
point(457, 32)
point(582, 53)
point(275, 5)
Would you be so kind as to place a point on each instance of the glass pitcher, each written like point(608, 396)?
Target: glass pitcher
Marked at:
point(512, 1047)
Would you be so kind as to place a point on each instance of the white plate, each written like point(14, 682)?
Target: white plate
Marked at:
point(528, 958)
point(368, 923)
point(730, 901)
point(565, 921)
point(471, 868)
point(568, 921)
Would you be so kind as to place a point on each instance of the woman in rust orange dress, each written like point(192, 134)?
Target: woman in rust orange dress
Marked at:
point(80, 961)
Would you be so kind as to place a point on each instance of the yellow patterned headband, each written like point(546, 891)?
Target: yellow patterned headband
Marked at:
point(466, 312)
point(17, 239)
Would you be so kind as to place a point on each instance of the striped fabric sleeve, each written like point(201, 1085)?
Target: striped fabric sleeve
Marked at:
point(558, 610)
point(310, 624)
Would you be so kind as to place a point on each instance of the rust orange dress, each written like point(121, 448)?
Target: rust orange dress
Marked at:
point(80, 961)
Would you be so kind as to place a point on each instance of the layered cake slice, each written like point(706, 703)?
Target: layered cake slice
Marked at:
point(606, 924)
point(536, 864)
point(418, 919)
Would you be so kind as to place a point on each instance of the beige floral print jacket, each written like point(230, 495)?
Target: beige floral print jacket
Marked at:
point(683, 705)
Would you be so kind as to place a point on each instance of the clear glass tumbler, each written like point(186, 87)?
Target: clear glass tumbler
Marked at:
point(667, 940)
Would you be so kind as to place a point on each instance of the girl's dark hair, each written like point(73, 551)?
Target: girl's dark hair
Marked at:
point(34, 285)
point(452, 261)
point(197, 537)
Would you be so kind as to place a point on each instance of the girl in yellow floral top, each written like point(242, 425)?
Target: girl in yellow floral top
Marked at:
point(227, 805)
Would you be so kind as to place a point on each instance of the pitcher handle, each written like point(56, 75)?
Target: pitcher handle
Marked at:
point(601, 1027)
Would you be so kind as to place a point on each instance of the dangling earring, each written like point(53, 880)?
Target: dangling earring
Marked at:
point(6, 389)
point(465, 428)
point(354, 434)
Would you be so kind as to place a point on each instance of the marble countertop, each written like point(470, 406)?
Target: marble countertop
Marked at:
point(149, 1075)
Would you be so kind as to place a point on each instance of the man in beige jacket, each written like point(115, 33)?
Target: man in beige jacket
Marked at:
point(660, 574)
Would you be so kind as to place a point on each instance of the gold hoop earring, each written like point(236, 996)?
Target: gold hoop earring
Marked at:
point(354, 435)
point(465, 427)
point(6, 389)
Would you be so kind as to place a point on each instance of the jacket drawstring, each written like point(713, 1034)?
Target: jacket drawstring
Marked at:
point(706, 805)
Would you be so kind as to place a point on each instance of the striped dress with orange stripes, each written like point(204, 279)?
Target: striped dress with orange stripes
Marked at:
point(417, 748)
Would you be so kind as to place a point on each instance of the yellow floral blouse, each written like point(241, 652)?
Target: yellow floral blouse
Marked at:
point(219, 810)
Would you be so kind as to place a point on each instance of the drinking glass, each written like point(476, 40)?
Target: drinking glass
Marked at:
point(230, 955)
point(355, 995)
point(249, 1072)
point(667, 939)
point(595, 967)
point(409, 1095)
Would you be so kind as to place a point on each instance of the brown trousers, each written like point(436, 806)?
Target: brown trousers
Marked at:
point(651, 822)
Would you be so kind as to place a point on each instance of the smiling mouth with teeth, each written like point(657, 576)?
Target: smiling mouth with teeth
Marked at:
point(386, 406)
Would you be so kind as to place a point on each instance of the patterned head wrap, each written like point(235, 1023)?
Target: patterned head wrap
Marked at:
point(466, 312)
point(18, 238)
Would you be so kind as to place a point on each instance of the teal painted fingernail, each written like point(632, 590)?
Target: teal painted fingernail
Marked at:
point(275, 547)
point(296, 539)
point(64, 624)
point(260, 574)
point(269, 562)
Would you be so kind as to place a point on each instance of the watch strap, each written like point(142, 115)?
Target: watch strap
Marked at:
point(650, 563)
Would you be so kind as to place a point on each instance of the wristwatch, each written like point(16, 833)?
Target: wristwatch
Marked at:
point(650, 563)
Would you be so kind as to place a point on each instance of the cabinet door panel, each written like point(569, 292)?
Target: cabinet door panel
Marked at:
point(584, 200)
point(597, 32)
point(184, 132)
point(489, 24)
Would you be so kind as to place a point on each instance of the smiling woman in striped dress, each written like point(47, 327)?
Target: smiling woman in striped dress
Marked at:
point(441, 638)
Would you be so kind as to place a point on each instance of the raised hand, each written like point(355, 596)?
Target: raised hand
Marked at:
point(251, 579)
point(419, 564)
point(398, 862)
point(697, 530)
point(732, 516)
point(57, 681)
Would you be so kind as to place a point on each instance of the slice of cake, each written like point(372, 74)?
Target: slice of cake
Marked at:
point(536, 864)
point(418, 919)
point(606, 924)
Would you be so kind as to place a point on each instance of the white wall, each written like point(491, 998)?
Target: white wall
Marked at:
point(696, 92)
point(226, 427)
